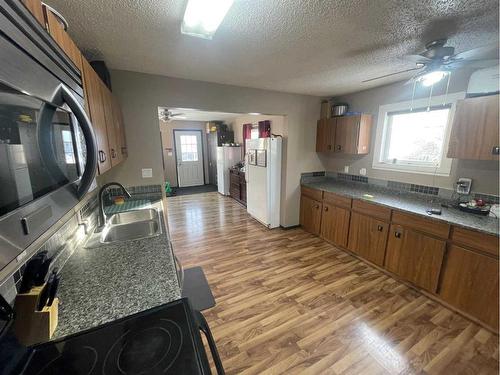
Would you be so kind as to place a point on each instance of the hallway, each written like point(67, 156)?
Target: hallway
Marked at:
point(288, 302)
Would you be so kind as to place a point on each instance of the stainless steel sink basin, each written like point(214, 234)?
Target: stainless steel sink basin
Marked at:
point(131, 231)
point(131, 225)
point(133, 216)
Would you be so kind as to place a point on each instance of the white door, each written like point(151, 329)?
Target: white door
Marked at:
point(189, 157)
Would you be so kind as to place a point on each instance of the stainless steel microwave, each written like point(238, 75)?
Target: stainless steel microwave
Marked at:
point(48, 156)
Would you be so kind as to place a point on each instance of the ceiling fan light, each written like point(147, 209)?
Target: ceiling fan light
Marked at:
point(432, 78)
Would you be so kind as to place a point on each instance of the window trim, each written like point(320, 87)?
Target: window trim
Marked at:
point(436, 102)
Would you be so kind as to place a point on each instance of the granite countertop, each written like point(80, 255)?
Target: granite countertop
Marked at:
point(102, 284)
point(407, 202)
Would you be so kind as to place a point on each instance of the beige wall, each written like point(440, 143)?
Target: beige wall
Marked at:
point(167, 137)
point(484, 173)
point(140, 96)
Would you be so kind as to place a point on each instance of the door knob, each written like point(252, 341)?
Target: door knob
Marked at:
point(495, 150)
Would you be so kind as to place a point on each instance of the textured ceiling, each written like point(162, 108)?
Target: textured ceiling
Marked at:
point(319, 47)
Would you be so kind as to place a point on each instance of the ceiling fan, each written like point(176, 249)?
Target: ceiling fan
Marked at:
point(438, 60)
point(167, 115)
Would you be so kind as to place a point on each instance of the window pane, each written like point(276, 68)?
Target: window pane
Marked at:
point(189, 148)
point(416, 137)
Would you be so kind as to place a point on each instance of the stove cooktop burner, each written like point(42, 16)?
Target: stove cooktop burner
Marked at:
point(163, 340)
point(144, 350)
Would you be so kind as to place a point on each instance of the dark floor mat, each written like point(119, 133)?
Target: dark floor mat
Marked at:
point(194, 190)
point(197, 290)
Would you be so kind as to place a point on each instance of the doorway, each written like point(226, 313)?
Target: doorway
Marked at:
point(189, 157)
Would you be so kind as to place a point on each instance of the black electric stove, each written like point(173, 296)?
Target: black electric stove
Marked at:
point(163, 340)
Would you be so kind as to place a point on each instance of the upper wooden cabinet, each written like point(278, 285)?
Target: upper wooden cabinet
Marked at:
point(36, 8)
point(475, 133)
point(95, 108)
point(325, 135)
point(345, 134)
point(120, 127)
point(112, 126)
point(61, 37)
point(415, 256)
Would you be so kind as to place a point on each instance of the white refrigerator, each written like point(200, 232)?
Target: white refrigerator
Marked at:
point(263, 176)
point(227, 157)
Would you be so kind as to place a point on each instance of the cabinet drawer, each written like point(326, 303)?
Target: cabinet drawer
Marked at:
point(476, 240)
point(371, 209)
point(337, 200)
point(312, 193)
point(421, 224)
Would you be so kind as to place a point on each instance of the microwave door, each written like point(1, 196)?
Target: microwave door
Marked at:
point(47, 132)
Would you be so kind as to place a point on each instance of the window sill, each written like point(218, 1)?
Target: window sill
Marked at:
point(413, 170)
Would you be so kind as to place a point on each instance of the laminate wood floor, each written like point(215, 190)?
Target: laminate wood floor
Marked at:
point(290, 303)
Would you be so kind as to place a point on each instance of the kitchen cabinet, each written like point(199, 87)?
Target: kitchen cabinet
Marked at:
point(310, 214)
point(238, 186)
point(368, 237)
point(325, 135)
point(61, 37)
point(112, 127)
point(36, 9)
point(335, 224)
point(95, 108)
point(470, 283)
point(352, 134)
point(414, 256)
point(120, 126)
point(475, 131)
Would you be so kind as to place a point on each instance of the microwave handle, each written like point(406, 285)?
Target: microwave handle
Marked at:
point(90, 140)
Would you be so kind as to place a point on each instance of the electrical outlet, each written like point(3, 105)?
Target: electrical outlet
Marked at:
point(346, 169)
point(362, 171)
point(147, 172)
point(464, 185)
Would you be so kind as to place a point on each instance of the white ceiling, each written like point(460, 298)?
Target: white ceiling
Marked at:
point(189, 114)
point(318, 47)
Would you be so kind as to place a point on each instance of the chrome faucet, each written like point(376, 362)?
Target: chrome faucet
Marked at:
point(102, 215)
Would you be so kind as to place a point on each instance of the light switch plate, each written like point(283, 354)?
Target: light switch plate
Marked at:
point(147, 172)
point(362, 171)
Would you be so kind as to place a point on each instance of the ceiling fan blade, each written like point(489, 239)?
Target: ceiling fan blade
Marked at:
point(391, 74)
point(418, 59)
point(474, 63)
point(489, 51)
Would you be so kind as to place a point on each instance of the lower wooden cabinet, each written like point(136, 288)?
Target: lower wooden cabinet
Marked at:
point(310, 214)
point(415, 257)
point(470, 283)
point(335, 224)
point(368, 237)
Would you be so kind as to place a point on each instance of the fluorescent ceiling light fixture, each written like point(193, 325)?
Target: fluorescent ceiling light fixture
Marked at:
point(203, 17)
point(431, 78)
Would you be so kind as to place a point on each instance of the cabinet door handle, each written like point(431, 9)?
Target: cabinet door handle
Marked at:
point(496, 150)
point(102, 156)
point(326, 208)
point(113, 153)
point(380, 228)
point(397, 234)
point(317, 206)
point(339, 147)
point(329, 147)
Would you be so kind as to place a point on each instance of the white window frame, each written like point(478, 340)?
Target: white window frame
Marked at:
point(444, 168)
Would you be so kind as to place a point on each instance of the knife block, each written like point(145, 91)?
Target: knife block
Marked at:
point(31, 326)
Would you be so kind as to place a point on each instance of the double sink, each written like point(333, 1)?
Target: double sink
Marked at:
point(127, 226)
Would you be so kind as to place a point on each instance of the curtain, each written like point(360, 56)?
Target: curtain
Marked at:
point(264, 129)
point(247, 134)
